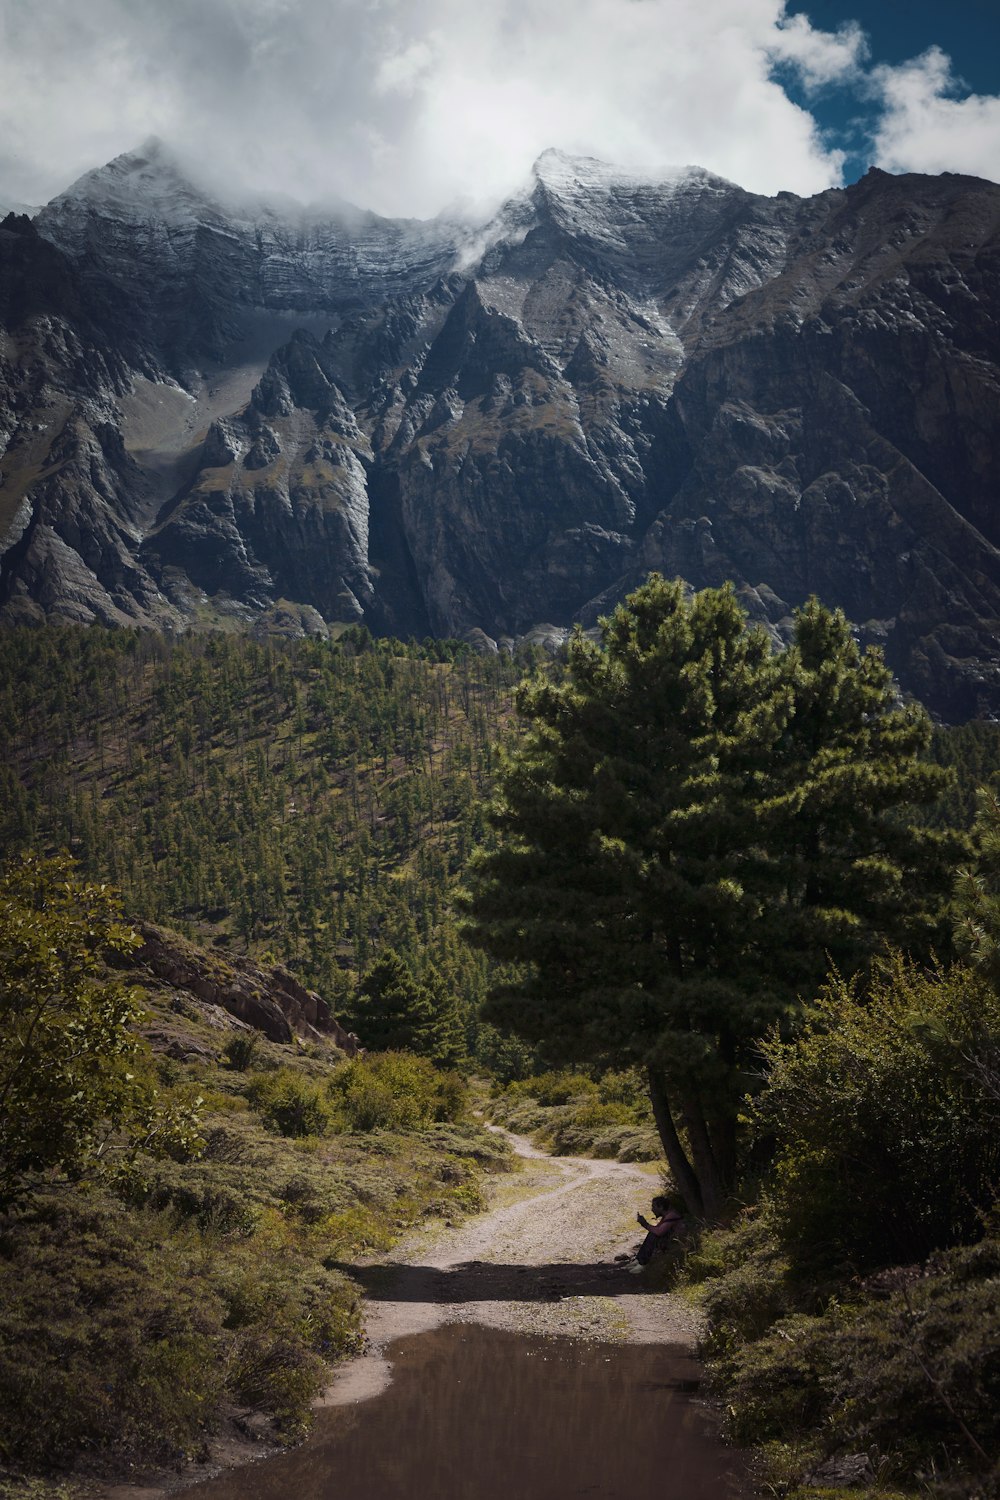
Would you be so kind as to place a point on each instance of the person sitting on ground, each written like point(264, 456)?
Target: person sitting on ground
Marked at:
point(667, 1221)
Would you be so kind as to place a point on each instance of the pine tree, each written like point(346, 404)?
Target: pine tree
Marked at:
point(690, 828)
point(977, 892)
point(391, 1010)
point(446, 1043)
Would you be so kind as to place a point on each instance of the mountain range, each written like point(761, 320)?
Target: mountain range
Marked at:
point(263, 417)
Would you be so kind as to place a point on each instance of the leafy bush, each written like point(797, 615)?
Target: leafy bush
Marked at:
point(355, 1230)
point(909, 1369)
point(855, 1311)
point(73, 1092)
point(215, 1209)
point(918, 1366)
point(887, 1120)
point(290, 1103)
point(746, 1287)
point(628, 1087)
point(778, 1384)
point(106, 1336)
point(118, 1335)
point(557, 1088)
point(394, 1090)
point(241, 1050)
point(288, 1320)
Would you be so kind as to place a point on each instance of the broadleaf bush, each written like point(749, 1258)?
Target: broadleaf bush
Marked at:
point(886, 1122)
point(394, 1091)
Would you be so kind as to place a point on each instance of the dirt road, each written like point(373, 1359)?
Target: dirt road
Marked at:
point(540, 1260)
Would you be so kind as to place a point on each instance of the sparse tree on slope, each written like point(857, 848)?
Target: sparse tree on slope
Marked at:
point(692, 828)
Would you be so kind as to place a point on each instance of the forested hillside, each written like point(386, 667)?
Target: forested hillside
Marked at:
point(310, 800)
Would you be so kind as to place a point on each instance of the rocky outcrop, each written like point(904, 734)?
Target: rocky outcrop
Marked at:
point(270, 1000)
point(214, 414)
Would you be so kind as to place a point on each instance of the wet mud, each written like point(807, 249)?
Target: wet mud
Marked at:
point(474, 1413)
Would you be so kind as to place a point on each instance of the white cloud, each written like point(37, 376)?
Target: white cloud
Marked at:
point(925, 128)
point(401, 72)
point(821, 57)
point(406, 105)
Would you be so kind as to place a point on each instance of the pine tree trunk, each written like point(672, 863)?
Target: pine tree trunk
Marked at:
point(724, 1148)
point(710, 1179)
point(681, 1169)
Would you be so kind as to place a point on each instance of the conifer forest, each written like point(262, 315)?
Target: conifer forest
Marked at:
point(308, 800)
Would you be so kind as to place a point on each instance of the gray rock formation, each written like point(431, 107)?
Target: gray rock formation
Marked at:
point(269, 999)
point(289, 419)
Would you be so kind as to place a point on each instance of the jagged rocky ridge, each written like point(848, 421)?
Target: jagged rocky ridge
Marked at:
point(285, 419)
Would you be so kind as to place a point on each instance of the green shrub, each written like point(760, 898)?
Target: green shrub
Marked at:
point(908, 1370)
point(627, 1087)
point(452, 1098)
point(918, 1364)
point(241, 1050)
point(886, 1118)
point(214, 1208)
point(357, 1230)
point(288, 1318)
point(745, 1286)
point(394, 1090)
point(558, 1088)
point(106, 1335)
point(904, 1366)
point(21, 1487)
point(76, 1088)
point(278, 1373)
point(290, 1103)
point(593, 1114)
point(777, 1385)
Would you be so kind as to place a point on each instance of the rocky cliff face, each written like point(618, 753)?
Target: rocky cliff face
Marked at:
point(270, 1000)
point(291, 419)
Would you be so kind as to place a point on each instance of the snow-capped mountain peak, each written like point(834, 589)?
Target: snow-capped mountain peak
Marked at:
point(148, 183)
point(568, 175)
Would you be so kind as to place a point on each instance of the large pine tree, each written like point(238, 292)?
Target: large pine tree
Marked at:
point(692, 829)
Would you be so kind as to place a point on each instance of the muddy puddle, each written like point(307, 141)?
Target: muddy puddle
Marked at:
point(475, 1413)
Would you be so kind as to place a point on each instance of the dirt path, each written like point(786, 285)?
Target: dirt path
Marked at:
point(540, 1261)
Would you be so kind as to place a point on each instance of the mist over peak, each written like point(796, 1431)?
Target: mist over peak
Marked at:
point(402, 109)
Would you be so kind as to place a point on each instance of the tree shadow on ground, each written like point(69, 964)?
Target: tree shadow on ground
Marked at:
point(483, 1281)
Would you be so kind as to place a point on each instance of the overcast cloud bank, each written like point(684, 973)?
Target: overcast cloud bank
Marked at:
point(407, 107)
